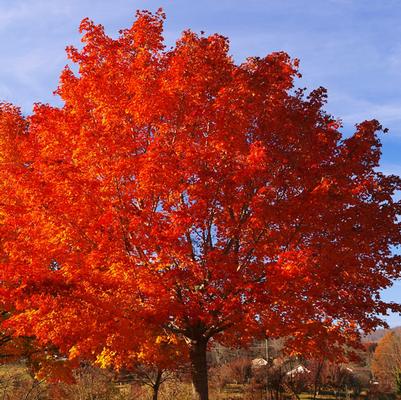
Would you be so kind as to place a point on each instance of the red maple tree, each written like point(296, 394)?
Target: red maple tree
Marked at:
point(178, 191)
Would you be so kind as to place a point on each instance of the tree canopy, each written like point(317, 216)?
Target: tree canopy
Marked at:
point(178, 192)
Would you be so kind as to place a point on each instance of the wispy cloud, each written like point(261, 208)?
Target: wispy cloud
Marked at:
point(31, 10)
point(390, 168)
point(354, 110)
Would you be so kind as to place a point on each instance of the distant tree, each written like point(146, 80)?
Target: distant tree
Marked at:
point(386, 363)
point(177, 189)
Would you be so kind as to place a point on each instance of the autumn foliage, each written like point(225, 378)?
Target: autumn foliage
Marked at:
point(177, 192)
point(386, 363)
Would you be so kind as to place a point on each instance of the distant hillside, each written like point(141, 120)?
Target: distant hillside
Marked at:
point(376, 336)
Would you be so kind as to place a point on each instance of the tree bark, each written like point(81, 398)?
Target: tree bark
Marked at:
point(197, 354)
point(156, 385)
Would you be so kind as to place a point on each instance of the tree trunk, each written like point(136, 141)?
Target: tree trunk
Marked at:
point(197, 354)
point(316, 386)
point(155, 392)
point(156, 385)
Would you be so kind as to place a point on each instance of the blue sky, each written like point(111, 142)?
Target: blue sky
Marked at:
point(351, 47)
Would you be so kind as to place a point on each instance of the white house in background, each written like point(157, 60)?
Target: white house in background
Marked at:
point(258, 363)
point(300, 369)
